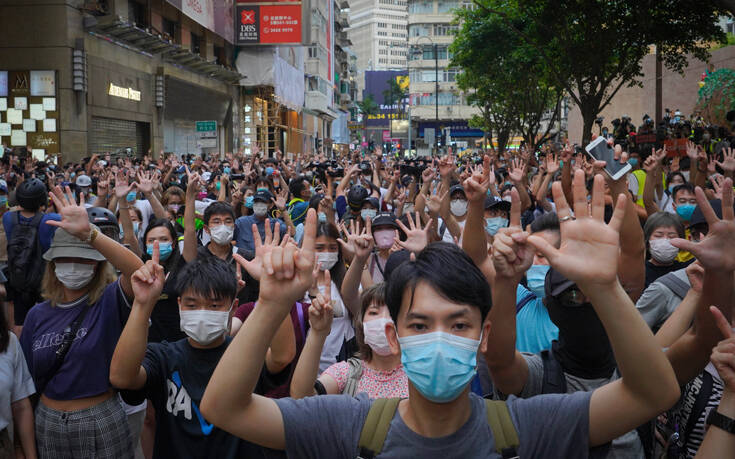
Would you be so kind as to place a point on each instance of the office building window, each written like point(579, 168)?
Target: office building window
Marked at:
point(136, 14)
point(420, 7)
point(446, 6)
point(419, 30)
point(169, 28)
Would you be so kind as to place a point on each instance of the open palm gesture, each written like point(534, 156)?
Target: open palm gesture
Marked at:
point(417, 238)
point(74, 218)
point(272, 239)
point(589, 248)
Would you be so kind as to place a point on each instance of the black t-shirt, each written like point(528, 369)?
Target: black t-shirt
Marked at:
point(653, 272)
point(165, 321)
point(250, 292)
point(177, 375)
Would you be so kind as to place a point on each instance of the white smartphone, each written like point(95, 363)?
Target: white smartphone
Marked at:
point(599, 150)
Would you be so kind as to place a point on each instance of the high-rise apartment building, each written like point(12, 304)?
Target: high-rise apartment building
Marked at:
point(442, 107)
point(378, 31)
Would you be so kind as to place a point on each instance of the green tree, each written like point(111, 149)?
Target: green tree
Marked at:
point(395, 94)
point(503, 76)
point(496, 118)
point(368, 107)
point(593, 48)
point(717, 96)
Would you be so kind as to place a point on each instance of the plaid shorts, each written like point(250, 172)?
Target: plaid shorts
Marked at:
point(101, 431)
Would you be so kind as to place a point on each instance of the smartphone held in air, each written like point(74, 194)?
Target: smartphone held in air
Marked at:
point(599, 150)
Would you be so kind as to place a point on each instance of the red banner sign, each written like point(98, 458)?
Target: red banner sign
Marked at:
point(268, 24)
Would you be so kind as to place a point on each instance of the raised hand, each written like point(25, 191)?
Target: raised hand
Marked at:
point(121, 185)
point(435, 200)
point(74, 218)
point(320, 311)
point(512, 255)
point(692, 150)
point(517, 168)
point(728, 160)
point(446, 166)
point(272, 239)
point(280, 200)
point(417, 238)
point(147, 282)
point(476, 186)
point(717, 181)
point(552, 163)
point(145, 182)
point(428, 174)
point(585, 234)
point(717, 250)
point(288, 271)
point(695, 273)
point(193, 184)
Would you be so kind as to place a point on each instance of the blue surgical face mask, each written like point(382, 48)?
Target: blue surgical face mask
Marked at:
point(226, 170)
point(672, 186)
point(218, 185)
point(131, 196)
point(249, 202)
point(438, 364)
point(164, 250)
point(322, 217)
point(685, 211)
point(268, 170)
point(493, 224)
point(536, 277)
point(633, 162)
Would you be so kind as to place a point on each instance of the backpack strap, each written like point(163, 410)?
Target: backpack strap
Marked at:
point(554, 380)
point(675, 284)
point(442, 229)
point(376, 427)
point(353, 377)
point(700, 403)
point(504, 432)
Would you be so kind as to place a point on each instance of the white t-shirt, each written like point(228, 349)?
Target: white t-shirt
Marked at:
point(341, 331)
point(16, 382)
point(146, 210)
point(447, 237)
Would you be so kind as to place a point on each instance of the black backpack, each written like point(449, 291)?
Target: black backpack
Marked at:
point(25, 262)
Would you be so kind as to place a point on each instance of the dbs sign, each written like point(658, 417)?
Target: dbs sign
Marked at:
point(269, 24)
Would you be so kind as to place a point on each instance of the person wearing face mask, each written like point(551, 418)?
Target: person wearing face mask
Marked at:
point(340, 343)
point(173, 375)
point(659, 230)
point(84, 186)
point(262, 202)
point(457, 214)
point(173, 199)
point(68, 339)
point(385, 233)
point(376, 370)
point(496, 214)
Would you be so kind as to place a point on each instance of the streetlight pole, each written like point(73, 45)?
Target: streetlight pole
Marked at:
point(436, 94)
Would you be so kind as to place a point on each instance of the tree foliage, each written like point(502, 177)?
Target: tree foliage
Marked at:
point(593, 48)
point(717, 96)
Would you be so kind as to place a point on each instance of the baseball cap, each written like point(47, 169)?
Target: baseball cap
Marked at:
point(556, 283)
point(84, 181)
point(698, 216)
point(373, 201)
point(492, 202)
point(385, 219)
point(263, 196)
point(455, 189)
point(66, 245)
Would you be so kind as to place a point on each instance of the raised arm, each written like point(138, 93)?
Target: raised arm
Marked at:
point(648, 385)
point(512, 257)
point(145, 185)
point(126, 369)
point(518, 177)
point(229, 401)
point(681, 319)
point(129, 236)
point(716, 252)
point(75, 221)
point(307, 368)
point(474, 240)
point(362, 241)
point(190, 232)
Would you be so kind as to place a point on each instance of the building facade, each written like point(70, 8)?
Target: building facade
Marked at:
point(441, 109)
point(116, 76)
point(379, 31)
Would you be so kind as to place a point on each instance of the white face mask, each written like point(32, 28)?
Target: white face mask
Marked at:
point(204, 326)
point(327, 259)
point(458, 207)
point(260, 209)
point(74, 275)
point(368, 213)
point(662, 251)
point(375, 335)
point(222, 234)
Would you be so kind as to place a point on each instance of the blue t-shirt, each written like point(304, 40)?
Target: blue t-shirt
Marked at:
point(85, 371)
point(244, 231)
point(534, 329)
point(176, 376)
point(45, 232)
point(340, 205)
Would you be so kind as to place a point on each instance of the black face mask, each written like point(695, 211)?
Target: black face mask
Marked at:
point(583, 348)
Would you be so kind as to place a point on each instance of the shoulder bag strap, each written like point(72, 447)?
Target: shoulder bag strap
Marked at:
point(376, 427)
point(504, 432)
point(353, 377)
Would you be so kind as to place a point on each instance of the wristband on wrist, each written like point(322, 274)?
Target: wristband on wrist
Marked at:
point(721, 421)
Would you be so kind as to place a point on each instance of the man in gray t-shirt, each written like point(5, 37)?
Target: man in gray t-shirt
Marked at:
point(548, 426)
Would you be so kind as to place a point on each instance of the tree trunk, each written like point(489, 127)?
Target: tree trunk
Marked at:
point(589, 113)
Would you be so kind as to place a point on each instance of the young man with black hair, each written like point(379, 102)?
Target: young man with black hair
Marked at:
point(174, 375)
point(300, 196)
point(438, 304)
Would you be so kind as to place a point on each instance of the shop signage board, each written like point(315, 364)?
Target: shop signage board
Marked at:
point(271, 23)
point(28, 110)
point(206, 134)
point(215, 15)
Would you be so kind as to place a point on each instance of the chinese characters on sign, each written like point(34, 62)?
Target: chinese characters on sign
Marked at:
point(268, 24)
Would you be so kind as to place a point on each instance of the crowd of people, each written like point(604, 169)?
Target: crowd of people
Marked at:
point(488, 304)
